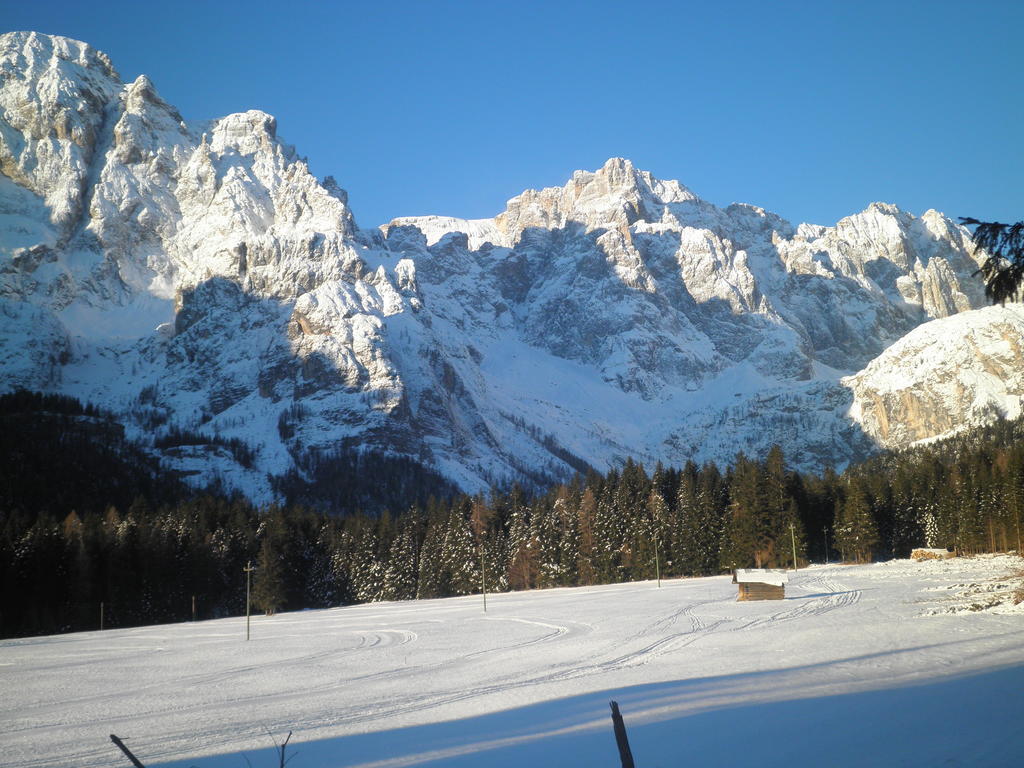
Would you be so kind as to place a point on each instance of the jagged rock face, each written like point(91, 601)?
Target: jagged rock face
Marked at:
point(55, 92)
point(197, 275)
point(943, 377)
point(695, 289)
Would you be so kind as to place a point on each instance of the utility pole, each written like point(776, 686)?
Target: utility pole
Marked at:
point(825, 529)
point(101, 616)
point(657, 560)
point(248, 575)
point(483, 574)
point(792, 536)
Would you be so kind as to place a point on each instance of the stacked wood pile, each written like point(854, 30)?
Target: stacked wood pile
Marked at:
point(931, 554)
point(760, 583)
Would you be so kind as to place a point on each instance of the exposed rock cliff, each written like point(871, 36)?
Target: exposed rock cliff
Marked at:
point(943, 377)
point(198, 276)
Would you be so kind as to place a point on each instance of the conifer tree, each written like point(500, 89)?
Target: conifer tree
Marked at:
point(629, 521)
point(523, 549)
point(608, 535)
point(587, 560)
point(268, 584)
point(564, 520)
point(697, 535)
point(460, 554)
point(655, 533)
point(856, 532)
point(432, 579)
point(743, 542)
point(327, 584)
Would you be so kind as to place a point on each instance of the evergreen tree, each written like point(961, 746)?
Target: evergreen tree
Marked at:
point(608, 534)
point(856, 532)
point(523, 550)
point(460, 557)
point(432, 580)
point(655, 533)
point(695, 533)
point(267, 582)
point(743, 545)
point(586, 514)
point(1003, 268)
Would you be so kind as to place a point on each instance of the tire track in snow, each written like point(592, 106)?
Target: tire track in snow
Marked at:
point(838, 596)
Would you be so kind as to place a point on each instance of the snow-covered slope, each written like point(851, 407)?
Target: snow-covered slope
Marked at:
point(943, 377)
point(922, 660)
point(197, 276)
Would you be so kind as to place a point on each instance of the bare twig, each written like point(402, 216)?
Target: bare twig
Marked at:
point(283, 761)
point(280, 748)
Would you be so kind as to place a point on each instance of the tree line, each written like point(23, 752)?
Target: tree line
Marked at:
point(122, 534)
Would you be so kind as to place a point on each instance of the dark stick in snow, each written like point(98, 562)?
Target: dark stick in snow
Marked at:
point(127, 752)
point(625, 755)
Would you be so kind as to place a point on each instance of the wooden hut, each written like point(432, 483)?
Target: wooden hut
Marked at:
point(760, 583)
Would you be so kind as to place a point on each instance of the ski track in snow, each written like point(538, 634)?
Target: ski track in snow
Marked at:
point(699, 629)
point(195, 689)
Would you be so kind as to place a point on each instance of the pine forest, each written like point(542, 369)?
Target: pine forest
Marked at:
point(92, 530)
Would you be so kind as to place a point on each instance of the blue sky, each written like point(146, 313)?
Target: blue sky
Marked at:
point(810, 109)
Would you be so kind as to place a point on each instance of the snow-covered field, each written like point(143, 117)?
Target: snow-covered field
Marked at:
point(897, 663)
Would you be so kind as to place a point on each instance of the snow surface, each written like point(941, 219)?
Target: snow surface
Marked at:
point(761, 576)
point(895, 663)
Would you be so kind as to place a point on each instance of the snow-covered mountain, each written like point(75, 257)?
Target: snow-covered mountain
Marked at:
point(197, 276)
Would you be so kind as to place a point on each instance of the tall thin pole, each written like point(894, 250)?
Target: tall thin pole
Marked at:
point(657, 560)
point(101, 616)
point(1019, 553)
point(483, 575)
point(825, 529)
point(248, 571)
point(792, 536)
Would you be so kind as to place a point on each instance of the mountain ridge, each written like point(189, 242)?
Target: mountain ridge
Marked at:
point(197, 276)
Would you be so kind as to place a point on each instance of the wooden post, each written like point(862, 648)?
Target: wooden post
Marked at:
point(127, 752)
point(792, 536)
point(193, 607)
point(483, 574)
point(825, 529)
point(248, 572)
point(625, 754)
point(101, 615)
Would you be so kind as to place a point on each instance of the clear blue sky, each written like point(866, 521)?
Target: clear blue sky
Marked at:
point(810, 109)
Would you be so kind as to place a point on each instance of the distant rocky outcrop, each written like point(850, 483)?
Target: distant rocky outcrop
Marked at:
point(944, 377)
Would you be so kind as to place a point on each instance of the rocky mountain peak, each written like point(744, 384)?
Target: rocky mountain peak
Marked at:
point(199, 277)
point(35, 50)
point(616, 195)
point(53, 95)
point(244, 132)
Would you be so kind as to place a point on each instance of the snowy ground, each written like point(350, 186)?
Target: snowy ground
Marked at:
point(897, 663)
